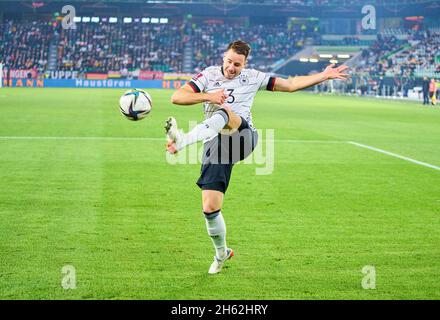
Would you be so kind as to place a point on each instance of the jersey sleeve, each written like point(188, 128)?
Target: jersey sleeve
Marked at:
point(267, 82)
point(199, 82)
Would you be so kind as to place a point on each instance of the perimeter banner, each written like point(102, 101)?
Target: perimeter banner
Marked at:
point(86, 83)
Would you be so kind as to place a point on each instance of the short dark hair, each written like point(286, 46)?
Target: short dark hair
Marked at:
point(240, 47)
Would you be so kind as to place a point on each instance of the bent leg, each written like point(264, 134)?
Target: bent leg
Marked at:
point(209, 128)
point(234, 120)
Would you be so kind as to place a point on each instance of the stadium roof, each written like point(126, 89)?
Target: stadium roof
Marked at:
point(235, 8)
point(309, 3)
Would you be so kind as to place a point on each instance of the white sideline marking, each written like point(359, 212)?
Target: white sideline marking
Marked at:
point(277, 140)
point(395, 155)
point(307, 141)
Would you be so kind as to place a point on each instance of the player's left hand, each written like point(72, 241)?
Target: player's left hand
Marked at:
point(336, 73)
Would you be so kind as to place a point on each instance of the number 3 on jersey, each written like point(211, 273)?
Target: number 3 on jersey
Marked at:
point(231, 98)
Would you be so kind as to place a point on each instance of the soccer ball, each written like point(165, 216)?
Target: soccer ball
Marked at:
point(135, 104)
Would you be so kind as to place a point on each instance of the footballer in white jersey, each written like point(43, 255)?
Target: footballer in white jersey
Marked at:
point(240, 90)
point(227, 93)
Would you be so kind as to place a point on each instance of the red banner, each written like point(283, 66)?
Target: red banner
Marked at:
point(114, 75)
point(96, 76)
point(21, 74)
point(150, 75)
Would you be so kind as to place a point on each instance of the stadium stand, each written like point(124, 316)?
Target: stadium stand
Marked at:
point(375, 60)
point(415, 56)
point(107, 47)
point(25, 46)
point(104, 47)
point(269, 43)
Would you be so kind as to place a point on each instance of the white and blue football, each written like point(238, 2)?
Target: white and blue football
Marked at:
point(135, 104)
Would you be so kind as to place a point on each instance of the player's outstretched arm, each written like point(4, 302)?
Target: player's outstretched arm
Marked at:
point(186, 96)
point(302, 82)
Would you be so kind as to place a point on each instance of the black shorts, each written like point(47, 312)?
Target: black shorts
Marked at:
point(221, 153)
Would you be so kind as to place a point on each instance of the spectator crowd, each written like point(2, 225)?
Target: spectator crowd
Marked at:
point(416, 56)
point(25, 46)
point(269, 43)
point(103, 47)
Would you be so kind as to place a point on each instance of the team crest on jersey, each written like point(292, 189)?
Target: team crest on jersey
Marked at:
point(244, 80)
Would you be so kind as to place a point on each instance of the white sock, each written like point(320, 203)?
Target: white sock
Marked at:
point(207, 129)
point(215, 224)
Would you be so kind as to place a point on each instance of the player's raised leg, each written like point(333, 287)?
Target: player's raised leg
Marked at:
point(220, 119)
point(215, 224)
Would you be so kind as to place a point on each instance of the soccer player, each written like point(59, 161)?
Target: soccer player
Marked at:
point(228, 133)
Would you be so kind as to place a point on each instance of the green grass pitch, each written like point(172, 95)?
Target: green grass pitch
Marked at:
point(131, 224)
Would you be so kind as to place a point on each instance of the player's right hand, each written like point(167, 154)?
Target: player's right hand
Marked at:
point(171, 147)
point(218, 97)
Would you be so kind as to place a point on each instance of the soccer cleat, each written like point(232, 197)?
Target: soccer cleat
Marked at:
point(217, 265)
point(174, 135)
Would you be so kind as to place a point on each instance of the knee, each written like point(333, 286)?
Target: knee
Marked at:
point(234, 120)
point(211, 201)
point(209, 208)
point(227, 108)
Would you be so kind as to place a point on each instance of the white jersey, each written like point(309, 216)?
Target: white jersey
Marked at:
point(240, 91)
